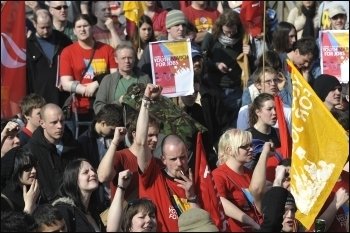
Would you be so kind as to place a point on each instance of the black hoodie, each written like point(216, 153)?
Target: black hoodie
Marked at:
point(51, 165)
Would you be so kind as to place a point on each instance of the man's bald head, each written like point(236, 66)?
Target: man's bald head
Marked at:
point(43, 23)
point(48, 109)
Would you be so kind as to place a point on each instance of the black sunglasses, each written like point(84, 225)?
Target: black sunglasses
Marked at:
point(60, 7)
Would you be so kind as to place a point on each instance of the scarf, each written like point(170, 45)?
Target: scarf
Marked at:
point(227, 41)
point(309, 23)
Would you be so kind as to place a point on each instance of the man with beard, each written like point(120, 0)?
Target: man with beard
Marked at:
point(53, 147)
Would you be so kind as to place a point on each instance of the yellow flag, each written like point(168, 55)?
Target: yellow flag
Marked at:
point(320, 150)
point(133, 10)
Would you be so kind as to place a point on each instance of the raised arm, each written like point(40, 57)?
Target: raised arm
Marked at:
point(258, 182)
point(116, 209)
point(143, 152)
point(105, 169)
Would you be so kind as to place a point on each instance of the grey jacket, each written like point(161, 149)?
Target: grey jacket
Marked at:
point(106, 92)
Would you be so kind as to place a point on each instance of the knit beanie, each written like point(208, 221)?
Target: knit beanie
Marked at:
point(324, 84)
point(174, 17)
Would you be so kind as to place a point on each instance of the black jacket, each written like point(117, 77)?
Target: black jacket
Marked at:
point(41, 72)
point(51, 165)
point(75, 218)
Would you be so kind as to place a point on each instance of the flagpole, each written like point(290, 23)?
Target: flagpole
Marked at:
point(264, 39)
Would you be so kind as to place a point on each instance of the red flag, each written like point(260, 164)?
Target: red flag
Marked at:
point(205, 188)
point(285, 138)
point(13, 57)
point(252, 17)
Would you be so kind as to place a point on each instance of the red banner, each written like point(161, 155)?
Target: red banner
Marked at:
point(285, 138)
point(205, 188)
point(252, 17)
point(13, 57)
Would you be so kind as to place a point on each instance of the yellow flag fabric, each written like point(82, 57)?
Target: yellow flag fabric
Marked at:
point(320, 150)
point(133, 10)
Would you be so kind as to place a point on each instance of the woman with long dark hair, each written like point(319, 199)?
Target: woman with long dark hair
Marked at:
point(76, 205)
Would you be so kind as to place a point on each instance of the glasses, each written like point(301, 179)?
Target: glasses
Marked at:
point(272, 81)
point(247, 146)
point(60, 7)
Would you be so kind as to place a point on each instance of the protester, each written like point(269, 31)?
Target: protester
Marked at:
point(116, 84)
point(115, 161)
point(59, 12)
point(22, 190)
point(233, 180)
point(83, 66)
point(175, 24)
point(304, 17)
point(106, 30)
point(284, 36)
point(30, 108)
point(75, 203)
point(222, 48)
point(143, 35)
point(170, 189)
point(44, 48)
point(138, 215)
point(328, 89)
point(53, 147)
point(49, 219)
point(9, 136)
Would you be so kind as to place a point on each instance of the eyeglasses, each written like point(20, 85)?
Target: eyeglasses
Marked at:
point(60, 7)
point(272, 81)
point(247, 146)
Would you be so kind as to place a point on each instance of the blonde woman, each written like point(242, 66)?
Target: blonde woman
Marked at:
point(236, 184)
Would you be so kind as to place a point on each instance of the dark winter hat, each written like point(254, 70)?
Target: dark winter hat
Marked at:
point(174, 17)
point(290, 200)
point(324, 84)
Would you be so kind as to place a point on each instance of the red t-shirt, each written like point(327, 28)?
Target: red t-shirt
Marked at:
point(232, 191)
point(203, 19)
point(158, 20)
point(74, 59)
point(157, 186)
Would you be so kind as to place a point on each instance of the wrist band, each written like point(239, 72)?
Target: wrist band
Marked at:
point(74, 86)
point(121, 187)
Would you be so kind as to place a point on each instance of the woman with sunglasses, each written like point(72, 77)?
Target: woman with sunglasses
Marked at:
point(233, 180)
point(138, 215)
point(76, 201)
point(22, 191)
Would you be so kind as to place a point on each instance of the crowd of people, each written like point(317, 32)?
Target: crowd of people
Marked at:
point(78, 158)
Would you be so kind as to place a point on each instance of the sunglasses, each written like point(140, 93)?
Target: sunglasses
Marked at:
point(60, 7)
